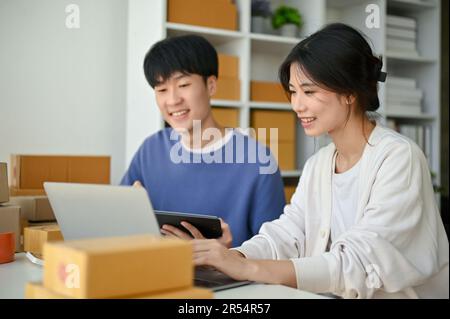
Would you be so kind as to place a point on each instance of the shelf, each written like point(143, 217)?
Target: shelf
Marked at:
point(410, 5)
point(272, 44)
point(270, 105)
point(400, 56)
point(295, 173)
point(215, 36)
point(274, 38)
point(226, 103)
point(422, 117)
point(339, 4)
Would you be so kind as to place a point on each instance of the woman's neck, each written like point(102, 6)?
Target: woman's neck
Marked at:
point(350, 141)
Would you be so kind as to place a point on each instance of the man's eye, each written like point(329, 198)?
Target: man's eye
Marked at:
point(184, 85)
point(161, 90)
point(309, 92)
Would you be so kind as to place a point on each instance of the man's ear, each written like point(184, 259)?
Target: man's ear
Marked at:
point(211, 85)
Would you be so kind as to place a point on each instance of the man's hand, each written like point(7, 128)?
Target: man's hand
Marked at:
point(226, 238)
point(137, 184)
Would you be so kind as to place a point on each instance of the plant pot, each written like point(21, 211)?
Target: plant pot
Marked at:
point(289, 30)
point(257, 25)
point(268, 28)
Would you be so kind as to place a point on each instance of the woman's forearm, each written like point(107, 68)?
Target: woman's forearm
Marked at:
point(280, 272)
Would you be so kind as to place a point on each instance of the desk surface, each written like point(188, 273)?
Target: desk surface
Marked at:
point(14, 276)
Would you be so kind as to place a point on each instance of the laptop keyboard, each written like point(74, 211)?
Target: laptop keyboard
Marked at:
point(211, 278)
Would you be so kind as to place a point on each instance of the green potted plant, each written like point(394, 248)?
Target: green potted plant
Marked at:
point(288, 19)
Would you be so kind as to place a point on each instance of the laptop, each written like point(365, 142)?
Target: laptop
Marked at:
point(94, 211)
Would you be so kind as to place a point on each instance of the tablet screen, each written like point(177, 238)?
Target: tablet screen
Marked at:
point(208, 225)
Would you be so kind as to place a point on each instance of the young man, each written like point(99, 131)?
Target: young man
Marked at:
point(223, 174)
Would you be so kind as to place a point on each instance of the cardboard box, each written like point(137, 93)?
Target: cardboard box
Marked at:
point(115, 267)
point(225, 116)
point(286, 156)
point(261, 91)
point(220, 14)
point(38, 291)
point(10, 222)
point(34, 208)
point(30, 171)
point(228, 89)
point(4, 193)
point(284, 121)
point(288, 192)
point(36, 236)
point(228, 66)
point(13, 191)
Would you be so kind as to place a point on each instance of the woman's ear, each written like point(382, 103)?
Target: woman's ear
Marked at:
point(211, 85)
point(350, 99)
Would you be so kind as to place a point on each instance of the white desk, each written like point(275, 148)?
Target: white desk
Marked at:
point(14, 276)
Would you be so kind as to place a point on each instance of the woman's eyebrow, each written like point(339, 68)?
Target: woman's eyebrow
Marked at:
point(307, 84)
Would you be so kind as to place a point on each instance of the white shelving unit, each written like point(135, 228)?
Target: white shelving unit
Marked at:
point(261, 54)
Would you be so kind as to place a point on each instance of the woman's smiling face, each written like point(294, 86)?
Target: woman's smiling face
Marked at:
point(320, 111)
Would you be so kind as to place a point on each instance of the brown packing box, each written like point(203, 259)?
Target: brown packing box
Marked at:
point(119, 266)
point(34, 208)
point(10, 222)
point(228, 66)
point(286, 156)
point(284, 153)
point(36, 236)
point(28, 172)
point(4, 193)
point(225, 116)
point(288, 192)
point(228, 89)
point(261, 91)
point(285, 121)
point(13, 191)
point(220, 14)
point(38, 291)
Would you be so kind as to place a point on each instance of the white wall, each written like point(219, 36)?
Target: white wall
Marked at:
point(63, 91)
point(145, 27)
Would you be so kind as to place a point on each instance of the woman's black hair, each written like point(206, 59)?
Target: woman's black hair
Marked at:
point(188, 54)
point(338, 58)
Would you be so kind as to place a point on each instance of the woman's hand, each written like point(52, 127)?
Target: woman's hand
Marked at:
point(226, 239)
point(212, 252)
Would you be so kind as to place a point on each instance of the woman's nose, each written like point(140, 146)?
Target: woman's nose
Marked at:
point(297, 104)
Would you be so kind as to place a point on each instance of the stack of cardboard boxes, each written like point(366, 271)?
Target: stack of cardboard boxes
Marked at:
point(228, 85)
point(141, 266)
point(29, 172)
point(228, 88)
point(220, 14)
point(285, 122)
point(28, 207)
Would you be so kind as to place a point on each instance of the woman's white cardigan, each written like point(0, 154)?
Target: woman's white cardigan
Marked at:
point(397, 247)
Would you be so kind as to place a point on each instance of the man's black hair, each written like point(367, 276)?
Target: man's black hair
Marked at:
point(188, 54)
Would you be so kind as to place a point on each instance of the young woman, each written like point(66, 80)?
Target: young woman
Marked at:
point(363, 222)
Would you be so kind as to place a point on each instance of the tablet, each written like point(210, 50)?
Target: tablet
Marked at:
point(208, 225)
